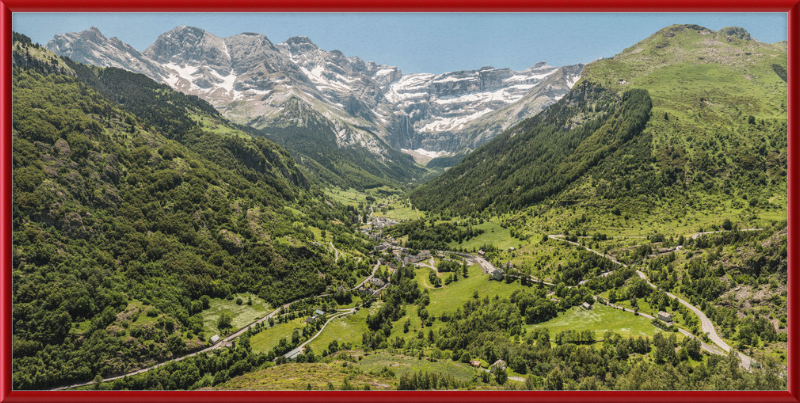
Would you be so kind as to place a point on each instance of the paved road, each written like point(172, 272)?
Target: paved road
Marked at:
point(430, 265)
point(218, 345)
point(706, 325)
point(485, 265)
point(609, 257)
point(606, 274)
point(222, 342)
point(703, 345)
point(699, 234)
point(514, 378)
point(374, 269)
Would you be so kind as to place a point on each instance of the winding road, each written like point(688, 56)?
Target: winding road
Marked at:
point(299, 349)
point(487, 267)
point(223, 342)
point(703, 345)
point(706, 325)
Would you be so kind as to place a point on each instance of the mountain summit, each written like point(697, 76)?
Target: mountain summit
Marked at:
point(368, 105)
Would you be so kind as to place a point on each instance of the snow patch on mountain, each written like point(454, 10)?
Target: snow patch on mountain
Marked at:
point(249, 79)
point(431, 154)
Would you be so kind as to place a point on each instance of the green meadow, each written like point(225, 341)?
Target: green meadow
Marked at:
point(450, 297)
point(599, 319)
point(346, 329)
point(267, 339)
point(242, 314)
point(400, 364)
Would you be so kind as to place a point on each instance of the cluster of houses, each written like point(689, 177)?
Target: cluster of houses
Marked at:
point(376, 286)
point(401, 254)
point(382, 222)
point(383, 247)
point(372, 234)
point(368, 291)
point(375, 228)
point(376, 282)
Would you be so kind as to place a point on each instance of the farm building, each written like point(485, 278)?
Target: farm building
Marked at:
point(475, 363)
point(498, 274)
point(294, 353)
point(586, 306)
point(317, 315)
point(666, 317)
point(214, 339)
point(499, 364)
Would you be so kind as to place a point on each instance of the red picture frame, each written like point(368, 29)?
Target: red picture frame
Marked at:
point(7, 7)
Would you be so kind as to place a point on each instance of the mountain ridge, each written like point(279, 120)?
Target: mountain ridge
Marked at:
point(249, 78)
point(718, 122)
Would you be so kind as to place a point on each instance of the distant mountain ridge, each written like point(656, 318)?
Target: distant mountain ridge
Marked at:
point(252, 80)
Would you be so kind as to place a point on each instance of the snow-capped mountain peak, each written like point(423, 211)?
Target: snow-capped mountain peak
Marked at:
point(248, 78)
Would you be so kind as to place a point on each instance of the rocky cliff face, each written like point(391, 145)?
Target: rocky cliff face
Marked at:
point(250, 79)
point(440, 112)
point(91, 47)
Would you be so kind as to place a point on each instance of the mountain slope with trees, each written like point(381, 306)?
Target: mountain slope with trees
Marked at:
point(130, 209)
point(717, 126)
point(541, 156)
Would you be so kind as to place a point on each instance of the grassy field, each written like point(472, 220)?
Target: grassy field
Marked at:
point(645, 307)
point(266, 340)
point(348, 197)
point(214, 126)
point(300, 376)
point(242, 314)
point(345, 330)
point(454, 295)
point(398, 210)
point(664, 217)
point(599, 319)
point(493, 234)
point(401, 364)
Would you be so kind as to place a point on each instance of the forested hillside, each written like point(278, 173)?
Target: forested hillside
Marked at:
point(542, 155)
point(312, 139)
point(717, 126)
point(134, 203)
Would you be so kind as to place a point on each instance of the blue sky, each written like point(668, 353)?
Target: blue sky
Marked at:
point(419, 42)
